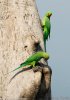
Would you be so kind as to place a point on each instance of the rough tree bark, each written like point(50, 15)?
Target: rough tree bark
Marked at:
point(21, 36)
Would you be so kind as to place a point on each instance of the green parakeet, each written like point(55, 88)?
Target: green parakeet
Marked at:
point(46, 25)
point(32, 60)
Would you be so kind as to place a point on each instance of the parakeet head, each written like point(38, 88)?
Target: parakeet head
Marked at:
point(45, 55)
point(48, 14)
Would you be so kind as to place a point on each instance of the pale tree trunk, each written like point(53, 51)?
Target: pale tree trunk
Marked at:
point(21, 36)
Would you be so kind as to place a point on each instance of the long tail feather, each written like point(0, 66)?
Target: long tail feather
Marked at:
point(45, 45)
point(21, 65)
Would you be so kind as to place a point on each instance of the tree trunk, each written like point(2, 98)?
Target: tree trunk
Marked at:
point(20, 36)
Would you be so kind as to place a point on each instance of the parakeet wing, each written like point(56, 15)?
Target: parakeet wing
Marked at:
point(47, 24)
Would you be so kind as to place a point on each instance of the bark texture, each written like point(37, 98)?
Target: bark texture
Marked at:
point(20, 36)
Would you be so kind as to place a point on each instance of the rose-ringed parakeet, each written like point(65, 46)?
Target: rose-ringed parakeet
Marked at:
point(46, 26)
point(33, 59)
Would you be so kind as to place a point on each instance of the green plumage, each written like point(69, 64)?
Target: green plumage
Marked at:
point(32, 60)
point(46, 26)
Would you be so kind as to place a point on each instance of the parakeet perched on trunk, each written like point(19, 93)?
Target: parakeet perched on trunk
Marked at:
point(32, 60)
point(46, 26)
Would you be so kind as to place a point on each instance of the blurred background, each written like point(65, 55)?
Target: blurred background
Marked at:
point(59, 45)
